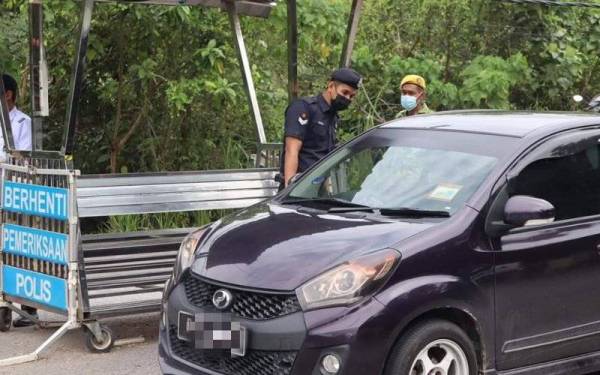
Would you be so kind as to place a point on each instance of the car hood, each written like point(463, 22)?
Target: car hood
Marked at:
point(269, 246)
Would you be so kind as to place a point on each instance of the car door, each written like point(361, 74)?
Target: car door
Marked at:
point(547, 294)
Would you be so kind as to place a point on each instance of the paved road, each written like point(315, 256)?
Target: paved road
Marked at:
point(69, 355)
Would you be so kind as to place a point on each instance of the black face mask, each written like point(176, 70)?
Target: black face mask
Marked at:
point(340, 103)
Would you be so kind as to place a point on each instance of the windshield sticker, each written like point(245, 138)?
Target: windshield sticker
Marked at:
point(318, 180)
point(445, 192)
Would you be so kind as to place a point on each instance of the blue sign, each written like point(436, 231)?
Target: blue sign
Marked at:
point(33, 286)
point(36, 200)
point(35, 243)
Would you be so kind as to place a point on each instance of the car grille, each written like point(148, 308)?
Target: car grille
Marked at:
point(249, 305)
point(255, 362)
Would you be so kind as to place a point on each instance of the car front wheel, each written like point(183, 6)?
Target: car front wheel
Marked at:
point(433, 348)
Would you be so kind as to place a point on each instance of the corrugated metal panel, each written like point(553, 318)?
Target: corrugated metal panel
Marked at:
point(105, 195)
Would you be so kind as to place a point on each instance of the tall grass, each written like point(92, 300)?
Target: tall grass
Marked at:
point(234, 155)
point(167, 220)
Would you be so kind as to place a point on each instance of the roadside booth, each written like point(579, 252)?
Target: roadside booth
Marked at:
point(45, 260)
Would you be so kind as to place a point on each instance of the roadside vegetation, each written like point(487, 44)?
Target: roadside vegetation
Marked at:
point(163, 90)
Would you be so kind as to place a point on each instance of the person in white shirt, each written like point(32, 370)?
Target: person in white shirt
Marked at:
point(20, 123)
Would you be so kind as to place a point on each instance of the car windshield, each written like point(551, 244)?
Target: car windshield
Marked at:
point(406, 170)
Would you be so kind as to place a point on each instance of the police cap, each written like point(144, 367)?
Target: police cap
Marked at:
point(347, 76)
point(10, 84)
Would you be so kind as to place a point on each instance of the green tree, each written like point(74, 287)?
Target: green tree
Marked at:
point(163, 89)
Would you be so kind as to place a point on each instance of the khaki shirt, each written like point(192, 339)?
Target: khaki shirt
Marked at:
point(422, 111)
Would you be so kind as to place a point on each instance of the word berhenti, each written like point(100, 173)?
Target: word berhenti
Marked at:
point(35, 200)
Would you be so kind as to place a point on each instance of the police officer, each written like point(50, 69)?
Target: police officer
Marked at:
point(414, 94)
point(20, 125)
point(311, 123)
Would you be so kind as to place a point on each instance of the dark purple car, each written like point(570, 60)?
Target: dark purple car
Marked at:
point(459, 243)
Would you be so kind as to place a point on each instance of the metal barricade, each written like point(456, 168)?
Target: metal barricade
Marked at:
point(39, 244)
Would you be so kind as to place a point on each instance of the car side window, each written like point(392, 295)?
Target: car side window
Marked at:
point(567, 176)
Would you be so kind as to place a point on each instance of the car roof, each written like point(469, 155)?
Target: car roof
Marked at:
point(508, 123)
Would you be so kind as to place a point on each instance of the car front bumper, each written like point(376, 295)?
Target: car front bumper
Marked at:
point(293, 344)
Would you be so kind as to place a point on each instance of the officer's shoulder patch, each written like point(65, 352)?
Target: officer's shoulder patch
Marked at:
point(303, 118)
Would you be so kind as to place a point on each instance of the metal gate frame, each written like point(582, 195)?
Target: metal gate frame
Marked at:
point(44, 173)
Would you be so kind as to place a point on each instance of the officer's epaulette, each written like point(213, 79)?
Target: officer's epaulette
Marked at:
point(21, 120)
point(310, 99)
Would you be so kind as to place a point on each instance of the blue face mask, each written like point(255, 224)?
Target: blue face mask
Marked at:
point(408, 102)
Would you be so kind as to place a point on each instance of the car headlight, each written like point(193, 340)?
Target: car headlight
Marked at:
point(187, 250)
point(350, 282)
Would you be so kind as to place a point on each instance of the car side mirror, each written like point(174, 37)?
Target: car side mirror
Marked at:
point(523, 210)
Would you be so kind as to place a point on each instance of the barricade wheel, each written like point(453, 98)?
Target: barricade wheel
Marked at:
point(103, 346)
point(5, 319)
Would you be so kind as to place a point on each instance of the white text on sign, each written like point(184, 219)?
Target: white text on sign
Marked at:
point(35, 289)
point(34, 286)
point(35, 243)
point(35, 200)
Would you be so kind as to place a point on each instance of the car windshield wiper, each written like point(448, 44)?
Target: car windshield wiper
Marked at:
point(406, 211)
point(412, 212)
point(336, 203)
point(341, 205)
point(352, 209)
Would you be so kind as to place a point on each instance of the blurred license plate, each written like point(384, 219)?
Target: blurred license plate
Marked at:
point(213, 331)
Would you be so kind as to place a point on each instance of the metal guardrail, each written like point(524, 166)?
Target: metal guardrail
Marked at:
point(133, 266)
point(104, 195)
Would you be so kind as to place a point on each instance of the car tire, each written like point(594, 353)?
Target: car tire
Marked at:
point(434, 347)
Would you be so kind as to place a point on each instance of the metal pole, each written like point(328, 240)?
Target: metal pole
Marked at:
point(9, 142)
point(351, 32)
point(292, 44)
point(38, 72)
point(3, 174)
point(234, 20)
point(77, 77)
point(73, 276)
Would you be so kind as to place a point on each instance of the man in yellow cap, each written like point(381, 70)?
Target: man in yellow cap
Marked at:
point(413, 96)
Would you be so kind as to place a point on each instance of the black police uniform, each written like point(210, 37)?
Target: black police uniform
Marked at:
point(314, 122)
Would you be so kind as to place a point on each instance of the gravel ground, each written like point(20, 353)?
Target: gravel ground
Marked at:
point(70, 356)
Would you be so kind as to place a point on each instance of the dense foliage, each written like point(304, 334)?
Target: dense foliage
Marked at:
point(163, 89)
